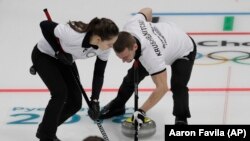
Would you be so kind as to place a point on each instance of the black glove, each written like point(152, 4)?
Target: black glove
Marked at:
point(94, 110)
point(138, 118)
point(64, 57)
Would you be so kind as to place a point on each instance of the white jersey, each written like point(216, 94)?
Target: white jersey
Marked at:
point(161, 43)
point(71, 42)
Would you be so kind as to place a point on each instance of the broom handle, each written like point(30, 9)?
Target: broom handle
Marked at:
point(136, 95)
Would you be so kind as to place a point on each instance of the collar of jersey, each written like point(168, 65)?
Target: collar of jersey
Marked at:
point(85, 42)
point(138, 51)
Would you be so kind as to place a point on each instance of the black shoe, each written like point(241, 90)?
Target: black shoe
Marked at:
point(56, 139)
point(110, 110)
point(181, 121)
point(42, 139)
point(50, 140)
point(38, 135)
point(46, 139)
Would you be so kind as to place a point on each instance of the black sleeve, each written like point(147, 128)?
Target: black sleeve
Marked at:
point(47, 28)
point(98, 78)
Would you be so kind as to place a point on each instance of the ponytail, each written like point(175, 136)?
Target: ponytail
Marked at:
point(78, 26)
point(105, 28)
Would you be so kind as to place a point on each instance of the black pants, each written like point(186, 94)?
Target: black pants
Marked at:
point(66, 98)
point(181, 72)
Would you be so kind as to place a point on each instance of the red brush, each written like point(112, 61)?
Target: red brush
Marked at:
point(47, 14)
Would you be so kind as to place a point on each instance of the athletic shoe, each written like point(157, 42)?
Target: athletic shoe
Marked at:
point(181, 121)
point(110, 110)
point(38, 135)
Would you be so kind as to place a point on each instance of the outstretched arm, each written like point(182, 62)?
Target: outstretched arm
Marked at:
point(147, 12)
point(160, 81)
point(98, 78)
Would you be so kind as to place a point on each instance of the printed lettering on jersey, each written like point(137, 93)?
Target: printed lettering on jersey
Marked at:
point(157, 32)
point(149, 37)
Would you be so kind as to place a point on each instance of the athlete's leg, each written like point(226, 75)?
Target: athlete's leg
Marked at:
point(49, 71)
point(73, 102)
point(181, 72)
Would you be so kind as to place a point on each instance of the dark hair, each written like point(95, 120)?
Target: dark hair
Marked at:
point(125, 40)
point(105, 28)
point(93, 138)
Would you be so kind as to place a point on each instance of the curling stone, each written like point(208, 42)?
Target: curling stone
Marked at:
point(147, 129)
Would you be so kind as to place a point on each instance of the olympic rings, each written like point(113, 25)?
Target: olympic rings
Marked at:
point(219, 59)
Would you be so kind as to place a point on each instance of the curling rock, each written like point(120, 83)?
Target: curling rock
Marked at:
point(147, 129)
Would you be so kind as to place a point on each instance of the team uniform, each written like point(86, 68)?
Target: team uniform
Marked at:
point(72, 42)
point(159, 44)
point(66, 98)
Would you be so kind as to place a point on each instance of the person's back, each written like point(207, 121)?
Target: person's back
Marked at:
point(165, 39)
